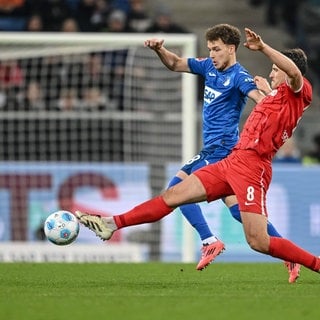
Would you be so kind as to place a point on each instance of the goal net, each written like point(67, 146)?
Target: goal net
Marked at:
point(90, 122)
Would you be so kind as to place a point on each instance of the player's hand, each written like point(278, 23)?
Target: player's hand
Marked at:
point(154, 44)
point(253, 40)
point(262, 84)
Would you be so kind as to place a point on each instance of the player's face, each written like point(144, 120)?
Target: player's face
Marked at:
point(222, 55)
point(277, 76)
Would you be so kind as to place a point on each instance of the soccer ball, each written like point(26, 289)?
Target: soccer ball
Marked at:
point(61, 228)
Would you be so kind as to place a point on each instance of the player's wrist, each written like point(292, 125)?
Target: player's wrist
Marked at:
point(264, 47)
point(159, 48)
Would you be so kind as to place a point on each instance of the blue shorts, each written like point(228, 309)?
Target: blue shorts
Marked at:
point(206, 156)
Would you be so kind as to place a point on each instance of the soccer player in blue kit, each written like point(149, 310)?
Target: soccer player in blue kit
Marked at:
point(227, 85)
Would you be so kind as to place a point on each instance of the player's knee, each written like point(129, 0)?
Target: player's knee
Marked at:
point(258, 243)
point(170, 198)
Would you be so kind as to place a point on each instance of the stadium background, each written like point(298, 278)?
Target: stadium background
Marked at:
point(294, 192)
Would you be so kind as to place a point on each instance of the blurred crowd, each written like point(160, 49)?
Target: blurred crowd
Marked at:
point(289, 153)
point(86, 16)
point(48, 83)
point(301, 20)
point(88, 81)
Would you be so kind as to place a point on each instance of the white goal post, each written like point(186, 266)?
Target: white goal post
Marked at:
point(138, 123)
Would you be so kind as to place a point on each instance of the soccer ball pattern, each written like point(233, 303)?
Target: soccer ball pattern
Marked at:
point(61, 228)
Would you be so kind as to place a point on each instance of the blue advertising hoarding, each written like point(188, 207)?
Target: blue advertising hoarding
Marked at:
point(29, 192)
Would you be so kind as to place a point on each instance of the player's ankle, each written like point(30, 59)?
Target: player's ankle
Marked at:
point(110, 223)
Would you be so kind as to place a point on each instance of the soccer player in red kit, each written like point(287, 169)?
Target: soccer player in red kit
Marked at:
point(247, 171)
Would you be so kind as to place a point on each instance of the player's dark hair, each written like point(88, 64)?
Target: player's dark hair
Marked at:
point(299, 57)
point(226, 32)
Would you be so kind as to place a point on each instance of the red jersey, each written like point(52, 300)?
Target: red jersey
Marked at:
point(274, 119)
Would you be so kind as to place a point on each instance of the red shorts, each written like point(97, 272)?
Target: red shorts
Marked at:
point(242, 173)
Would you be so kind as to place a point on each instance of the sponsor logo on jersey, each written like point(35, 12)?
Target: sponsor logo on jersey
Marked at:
point(210, 94)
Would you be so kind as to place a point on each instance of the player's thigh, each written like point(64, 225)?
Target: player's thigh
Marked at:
point(181, 174)
point(213, 178)
point(190, 190)
point(254, 224)
point(255, 229)
point(230, 201)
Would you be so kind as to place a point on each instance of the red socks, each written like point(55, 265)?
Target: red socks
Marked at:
point(149, 211)
point(155, 209)
point(286, 250)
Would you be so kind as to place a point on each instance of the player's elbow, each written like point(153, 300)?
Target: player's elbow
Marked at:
point(179, 65)
point(296, 82)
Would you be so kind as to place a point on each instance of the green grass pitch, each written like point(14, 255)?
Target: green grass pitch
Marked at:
point(153, 291)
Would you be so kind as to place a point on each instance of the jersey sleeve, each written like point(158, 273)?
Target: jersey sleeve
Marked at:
point(245, 82)
point(198, 65)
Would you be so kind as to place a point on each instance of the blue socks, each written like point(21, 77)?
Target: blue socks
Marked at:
point(192, 212)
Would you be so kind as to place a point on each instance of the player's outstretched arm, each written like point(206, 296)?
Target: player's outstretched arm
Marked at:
point(171, 60)
point(254, 42)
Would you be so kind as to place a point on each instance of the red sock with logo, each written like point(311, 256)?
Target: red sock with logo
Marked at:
point(149, 211)
point(286, 250)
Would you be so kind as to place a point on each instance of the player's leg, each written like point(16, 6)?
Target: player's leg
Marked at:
point(235, 212)
point(251, 188)
point(188, 191)
point(192, 212)
point(254, 226)
point(293, 268)
point(147, 212)
point(211, 245)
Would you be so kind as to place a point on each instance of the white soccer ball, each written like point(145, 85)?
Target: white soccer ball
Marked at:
point(61, 228)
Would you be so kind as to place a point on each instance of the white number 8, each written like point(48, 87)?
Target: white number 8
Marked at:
point(250, 193)
point(195, 158)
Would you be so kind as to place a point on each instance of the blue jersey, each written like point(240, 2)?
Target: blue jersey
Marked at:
point(225, 95)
